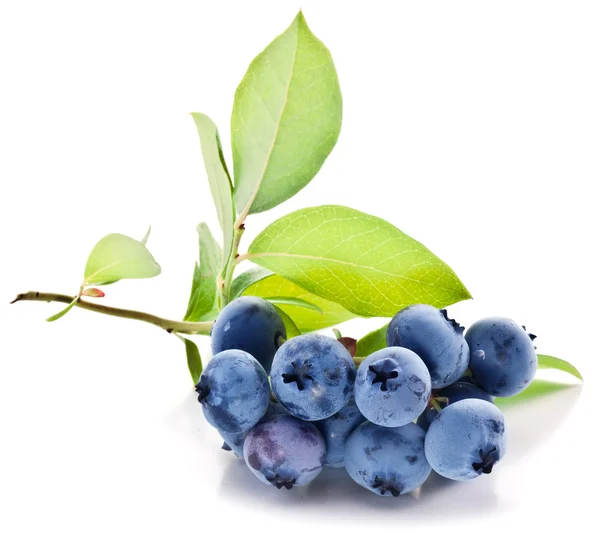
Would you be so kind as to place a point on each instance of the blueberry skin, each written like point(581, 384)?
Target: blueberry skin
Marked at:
point(503, 358)
point(392, 387)
point(234, 442)
point(336, 429)
point(234, 391)
point(387, 461)
point(453, 393)
point(466, 439)
point(437, 339)
point(284, 451)
point(249, 324)
point(312, 376)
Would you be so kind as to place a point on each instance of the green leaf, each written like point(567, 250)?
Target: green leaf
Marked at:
point(307, 320)
point(210, 316)
point(193, 359)
point(62, 312)
point(144, 240)
point(204, 283)
point(372, 342)
point(116, 257)
point(357, 260)
point(291, 329)
point(289, 301)
point(246, 279)
point(538, 388)
point(287, 116)
point(218, 179)
point(551, 362)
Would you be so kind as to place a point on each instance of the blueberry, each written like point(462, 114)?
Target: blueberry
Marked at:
point(466, 439)
point(249, 324)
point(387, 461)
point(284, 451)
point(234, 391)
point(235, 441)
point(459, 391)
point(392, 387)
point(336, 429)
point(453, 393)
point(437, 339)
point(312, 376)
point(503, 358)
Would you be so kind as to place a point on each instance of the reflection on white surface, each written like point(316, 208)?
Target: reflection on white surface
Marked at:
point(334, 492)
point(529, 426)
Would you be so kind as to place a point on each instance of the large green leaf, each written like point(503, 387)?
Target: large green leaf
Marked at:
point(116, 257)
point(204, 283)
point(290, 301)
point(306, 319)
point(218, 178)
point(357, 260)
point(551, 362)
point(287, 115)
point(372, 342)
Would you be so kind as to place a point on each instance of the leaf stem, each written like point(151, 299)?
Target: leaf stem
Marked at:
point(358, 360)
point(224, 284)
point(181, 327)
point(243, 257)
point(436, 405)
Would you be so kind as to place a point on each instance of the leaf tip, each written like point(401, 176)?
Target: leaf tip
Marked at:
point(146, 236)
point(465, 294)
point(576, 373)
point(299, 21)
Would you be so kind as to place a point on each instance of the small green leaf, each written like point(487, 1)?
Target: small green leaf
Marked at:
point(372, 342)
point(116, 257)
point(538, 388)
point(62, 312)
point(307, 320)
point(246, 279)
point(289, 301)
point(204, 282)
point(144, 240)
point(551, 362)
point(291, 329)
point(287, 116)
point(218, 179)
point(357, 260)
point(193, 359)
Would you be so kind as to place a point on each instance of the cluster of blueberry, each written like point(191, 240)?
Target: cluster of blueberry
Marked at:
point(424, 402)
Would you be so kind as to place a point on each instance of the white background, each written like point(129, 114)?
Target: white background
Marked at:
point(472, 126)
